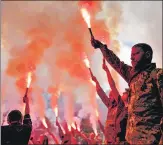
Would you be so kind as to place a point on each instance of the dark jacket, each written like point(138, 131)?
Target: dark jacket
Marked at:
point(17, 134)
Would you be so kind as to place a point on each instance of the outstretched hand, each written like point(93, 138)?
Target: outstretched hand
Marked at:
point(96, 43)
point(25, 99)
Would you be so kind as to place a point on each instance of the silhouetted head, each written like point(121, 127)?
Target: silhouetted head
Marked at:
point(15, 116)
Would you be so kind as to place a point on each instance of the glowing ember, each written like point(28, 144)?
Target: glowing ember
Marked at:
point(86, 17)
point(86, 61)
point(97, 114)
point(92, 82)
point(44, 123)
point(29, 78)
point(69, 127)
point(56, 111)
point(73, 125)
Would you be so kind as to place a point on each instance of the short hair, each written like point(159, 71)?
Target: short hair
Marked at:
point(145, 47)
point(14, 115)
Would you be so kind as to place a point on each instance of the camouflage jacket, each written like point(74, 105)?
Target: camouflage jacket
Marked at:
point(145, 108)
point(115, 125)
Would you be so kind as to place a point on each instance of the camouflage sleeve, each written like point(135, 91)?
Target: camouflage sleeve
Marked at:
point(27, 121)
point(123, 69)
point(160, 83)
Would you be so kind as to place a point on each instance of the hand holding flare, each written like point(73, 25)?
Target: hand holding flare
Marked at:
point(29, 78)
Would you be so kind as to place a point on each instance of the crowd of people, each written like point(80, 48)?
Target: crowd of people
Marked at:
point(136, 117)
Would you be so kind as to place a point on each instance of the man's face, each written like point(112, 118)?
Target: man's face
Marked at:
point(136, 56)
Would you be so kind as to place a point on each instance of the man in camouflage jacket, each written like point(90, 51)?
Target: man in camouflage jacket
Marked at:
point(145, 108)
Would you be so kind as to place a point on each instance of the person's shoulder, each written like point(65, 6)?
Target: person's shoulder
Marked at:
point(5, 129)
point(26, 126)
point(4, 126)
point(156, 72)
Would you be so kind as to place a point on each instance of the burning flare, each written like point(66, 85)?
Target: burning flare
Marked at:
point(87, 63)
point(73, 125)
point(44, 123)
point(29, 78)
point(56, 111)
point(78, 127)
point(69, 127)
point(86, 16)
point(97, 114)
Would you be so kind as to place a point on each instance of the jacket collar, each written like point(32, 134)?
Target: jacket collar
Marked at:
point(148, 68)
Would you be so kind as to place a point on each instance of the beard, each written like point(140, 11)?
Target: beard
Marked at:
point(137, 65)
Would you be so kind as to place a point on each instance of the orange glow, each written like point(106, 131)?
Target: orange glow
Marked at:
point(44, 123)
point(86, 16)
point(29, 78)
point(56, 111)
point(24, 105)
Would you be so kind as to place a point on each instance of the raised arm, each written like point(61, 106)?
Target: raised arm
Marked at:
point(123, 69)
point(27, 118)
point(113, 87)
point(100, 91)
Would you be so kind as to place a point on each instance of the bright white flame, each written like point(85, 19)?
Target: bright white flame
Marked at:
point(73, 125)
point(86, 17)
point(86, 61)
point(97, 114)
point(29, 78)
point(44, 123)
point(92, 82)
point(69, 127)
point(56, 111)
